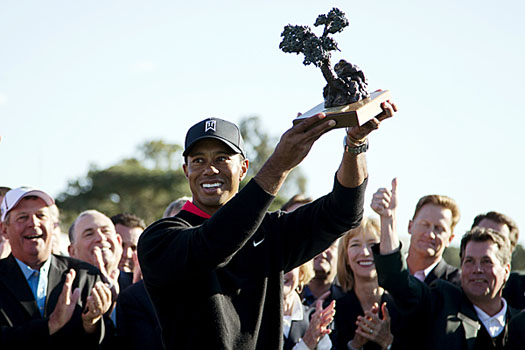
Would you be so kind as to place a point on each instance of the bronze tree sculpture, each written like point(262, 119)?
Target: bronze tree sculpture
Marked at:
point(348, 83)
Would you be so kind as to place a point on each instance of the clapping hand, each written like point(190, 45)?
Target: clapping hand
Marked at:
point(319, 322)
point(373, 328)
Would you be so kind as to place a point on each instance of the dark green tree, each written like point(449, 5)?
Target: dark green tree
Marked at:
point(128, 186)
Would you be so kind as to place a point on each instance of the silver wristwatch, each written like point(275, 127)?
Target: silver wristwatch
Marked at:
point(355, 150)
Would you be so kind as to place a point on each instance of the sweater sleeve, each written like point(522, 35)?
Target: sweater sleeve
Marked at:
point(311, 228)
point(173, 248)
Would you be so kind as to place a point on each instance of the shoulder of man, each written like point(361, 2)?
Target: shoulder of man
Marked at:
point(83, 269)
point(446, 272)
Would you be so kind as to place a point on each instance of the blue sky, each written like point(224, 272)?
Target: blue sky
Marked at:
point(85, 82)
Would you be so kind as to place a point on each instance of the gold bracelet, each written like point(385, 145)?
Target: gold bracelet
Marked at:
point(353, 141)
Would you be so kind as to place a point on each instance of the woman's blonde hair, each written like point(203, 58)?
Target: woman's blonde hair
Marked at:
point(306, 273)
point(345, 275)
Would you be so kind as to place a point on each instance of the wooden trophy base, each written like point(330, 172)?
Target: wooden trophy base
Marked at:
point(353, 114)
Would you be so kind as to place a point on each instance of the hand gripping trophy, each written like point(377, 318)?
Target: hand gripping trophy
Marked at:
point(346, 98)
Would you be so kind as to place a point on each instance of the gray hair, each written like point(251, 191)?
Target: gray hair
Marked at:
point(176, 205)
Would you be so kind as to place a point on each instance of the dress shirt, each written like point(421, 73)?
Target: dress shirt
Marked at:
point(37, 280)
point(422, 274)
point(494, 324)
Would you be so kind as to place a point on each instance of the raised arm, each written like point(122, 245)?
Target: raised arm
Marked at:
point(352, 171)
point(292, 148)
point(296, 143)
point(384, 203)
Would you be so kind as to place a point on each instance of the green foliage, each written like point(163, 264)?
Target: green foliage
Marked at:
point(128, 186)
point(451, 255)
point(518, 259)
point(162, 155)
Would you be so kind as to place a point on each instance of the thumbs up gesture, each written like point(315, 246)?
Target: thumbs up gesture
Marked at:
point(384, 201)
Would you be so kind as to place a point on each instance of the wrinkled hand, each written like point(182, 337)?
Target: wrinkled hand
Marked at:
point(97, 304)
point(374, 328)
point(360, 132)
point(319, 322)
point(384, 201)
point(65, 305)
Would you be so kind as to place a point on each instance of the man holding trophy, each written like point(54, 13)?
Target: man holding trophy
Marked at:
point(215, 271)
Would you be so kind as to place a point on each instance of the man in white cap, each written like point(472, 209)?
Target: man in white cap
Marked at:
point(46, 300)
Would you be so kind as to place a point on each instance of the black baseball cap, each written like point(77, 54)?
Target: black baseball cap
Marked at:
point(215, 128)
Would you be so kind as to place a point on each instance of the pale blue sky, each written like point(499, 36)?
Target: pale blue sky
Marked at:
point(85, 82)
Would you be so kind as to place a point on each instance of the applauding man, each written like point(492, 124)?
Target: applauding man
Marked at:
point(46, 301)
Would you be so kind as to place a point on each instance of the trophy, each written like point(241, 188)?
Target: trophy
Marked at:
point(346, 98)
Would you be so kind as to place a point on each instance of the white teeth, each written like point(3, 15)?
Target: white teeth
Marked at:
point(211, 185)
point(366, 263)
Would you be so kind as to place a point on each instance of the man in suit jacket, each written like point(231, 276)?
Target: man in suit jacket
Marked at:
point(45, 300)
point(472, 316)
point(431, 231)
point(514, 291)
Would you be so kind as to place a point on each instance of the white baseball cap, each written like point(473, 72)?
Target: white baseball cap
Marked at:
point(14, 196)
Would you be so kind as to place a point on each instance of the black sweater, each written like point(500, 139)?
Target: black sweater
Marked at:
point(217, 283)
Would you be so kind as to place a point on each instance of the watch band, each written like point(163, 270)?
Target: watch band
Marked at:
point(356, 149)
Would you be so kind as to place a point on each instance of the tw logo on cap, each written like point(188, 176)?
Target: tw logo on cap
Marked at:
point(210, 125)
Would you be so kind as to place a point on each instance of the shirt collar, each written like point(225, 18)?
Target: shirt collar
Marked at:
point(192, 208)
point(493, 324)
point(426, 271)
point(28, 271)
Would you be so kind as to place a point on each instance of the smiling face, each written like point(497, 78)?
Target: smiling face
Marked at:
point(95, 231)
point(431, 231)
point(482, 273)
point(214, 173)
point(29, 231)
point(360, 256)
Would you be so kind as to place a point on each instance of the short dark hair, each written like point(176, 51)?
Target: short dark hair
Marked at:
point(482, 234)
point(297, 199)
point(128, 220)
point(502, 219)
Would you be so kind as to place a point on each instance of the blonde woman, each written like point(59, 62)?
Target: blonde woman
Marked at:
point(363, 319)
point(304, 327)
